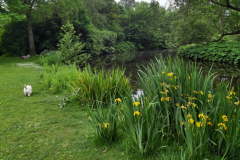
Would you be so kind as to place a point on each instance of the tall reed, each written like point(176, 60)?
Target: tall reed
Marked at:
point(105, 119)
point(143, 125)
point(90, 86)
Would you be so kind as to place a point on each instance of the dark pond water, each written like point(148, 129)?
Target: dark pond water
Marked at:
point(131, 62)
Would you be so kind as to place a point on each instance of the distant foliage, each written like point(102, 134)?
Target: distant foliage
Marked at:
point(125, 46)
point(15, 39)
point(142, 26)
point(15, 36)
point(101, 42)
point(227, 52)
point(47, 33)
point(192, 28)
point(115, 27)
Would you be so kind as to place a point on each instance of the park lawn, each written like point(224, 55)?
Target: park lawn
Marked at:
point(42, 130)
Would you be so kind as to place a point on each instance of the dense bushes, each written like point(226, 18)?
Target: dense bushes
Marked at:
point(227, 52)
point(125, 46)
point(101, 41)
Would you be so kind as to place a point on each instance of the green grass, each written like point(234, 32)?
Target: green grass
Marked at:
point(41, 130)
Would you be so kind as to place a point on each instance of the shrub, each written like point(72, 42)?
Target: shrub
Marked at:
point(49, 58)
point(124, 47)
point(101, 42)
point(70, 50)
point(226, 52)
point(58, 77)
point(95, 85)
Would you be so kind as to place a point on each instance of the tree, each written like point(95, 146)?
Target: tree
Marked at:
point(6, 16)
point(75, 13)
point(143, 26)
point(24, 7)
point(70, 49)
point(127, 3)
point(93, 6)
point(231, 17)
point(220, 16)
point(30, 4)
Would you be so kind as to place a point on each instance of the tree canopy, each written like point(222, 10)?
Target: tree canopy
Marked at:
point(105, 25)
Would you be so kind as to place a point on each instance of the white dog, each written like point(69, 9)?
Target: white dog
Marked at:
point(27, 90)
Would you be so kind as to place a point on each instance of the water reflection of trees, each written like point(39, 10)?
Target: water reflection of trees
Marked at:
point(224, 72)
point(131, 61)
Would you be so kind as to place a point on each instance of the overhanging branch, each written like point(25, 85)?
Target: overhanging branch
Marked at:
point(227, 34)
point(228, 5)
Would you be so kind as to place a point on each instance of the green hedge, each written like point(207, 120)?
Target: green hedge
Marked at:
point(226, 52)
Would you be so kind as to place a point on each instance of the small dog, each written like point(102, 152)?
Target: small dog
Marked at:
point(27, 90)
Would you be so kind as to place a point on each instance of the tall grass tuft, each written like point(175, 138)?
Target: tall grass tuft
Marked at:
point(205, 117)
point(105, 119)
point(90, 86)
point(143, 124)
point(58, 77)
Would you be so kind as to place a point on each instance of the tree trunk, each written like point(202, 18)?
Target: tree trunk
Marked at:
point(30, 34)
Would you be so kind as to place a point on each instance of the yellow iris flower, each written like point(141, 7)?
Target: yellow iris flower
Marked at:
point(191, 121)
point(106, 124)
point(170, 74)
point(118, 100)
point(183, 107)
point(224, 117)
point(168, 99)
point(198, 124)
point(194, 105)
point(209, 123)
point(209, 95)
point(137, 113)
point(136, 103)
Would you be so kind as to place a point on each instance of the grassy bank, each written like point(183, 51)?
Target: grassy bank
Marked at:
point(178, 116)
point(41, 130)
